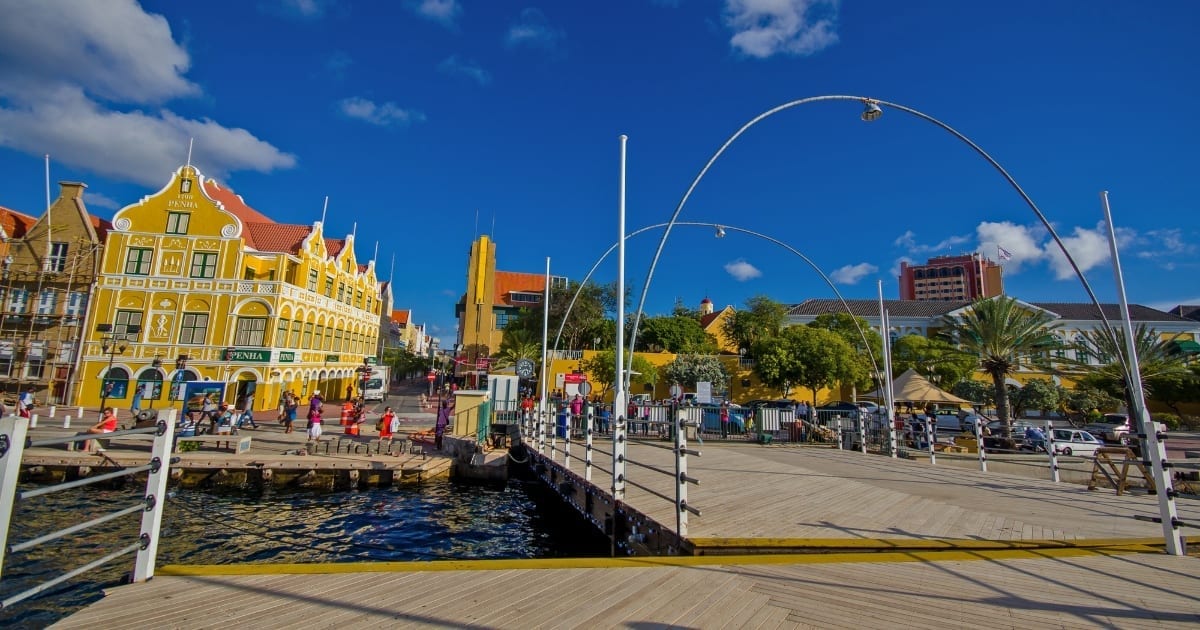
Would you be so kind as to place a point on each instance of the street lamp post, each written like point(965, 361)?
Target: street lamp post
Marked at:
point(156, 364)
point(112, 343)
point(229, 350)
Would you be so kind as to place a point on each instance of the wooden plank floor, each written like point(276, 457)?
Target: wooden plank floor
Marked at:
point(1121, 591)
point(801, 492)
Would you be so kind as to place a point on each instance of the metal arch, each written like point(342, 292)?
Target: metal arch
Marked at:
point(862, 99)
point(861, 333)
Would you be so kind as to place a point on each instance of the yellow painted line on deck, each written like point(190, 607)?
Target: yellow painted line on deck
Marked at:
point(702, 545)
point(649, 562)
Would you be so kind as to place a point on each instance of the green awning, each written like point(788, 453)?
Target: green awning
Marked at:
point(1188, 347)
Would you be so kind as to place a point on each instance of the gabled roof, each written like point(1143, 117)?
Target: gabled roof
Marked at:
point(275, 237)
point(102, 226)
point(334, 246)
point(234, 203)
point(401, 316)
point(362, 268)
point(1187, 311)
point(509, 281)
point(931, 309)
point(1087, 311)
point(14, 223)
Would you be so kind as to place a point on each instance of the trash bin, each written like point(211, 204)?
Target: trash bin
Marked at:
point(847, 439)
point(765, 438)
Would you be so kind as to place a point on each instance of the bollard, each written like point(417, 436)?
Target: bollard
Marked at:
point(33, 421)
point(79, 413)
point(67, 422)
point(52, 409)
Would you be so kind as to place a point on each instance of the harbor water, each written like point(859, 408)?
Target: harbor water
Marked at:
point(434, 521)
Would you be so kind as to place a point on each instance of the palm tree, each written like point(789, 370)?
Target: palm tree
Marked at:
point(518, 344)
point(1000, 332)
point(1157, 358)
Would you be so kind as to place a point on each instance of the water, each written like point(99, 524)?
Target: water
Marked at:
point(443, 520)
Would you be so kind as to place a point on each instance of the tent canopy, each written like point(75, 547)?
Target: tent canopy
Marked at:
point(912, 387)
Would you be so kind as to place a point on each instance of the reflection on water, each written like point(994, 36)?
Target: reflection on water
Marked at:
point(429, 522)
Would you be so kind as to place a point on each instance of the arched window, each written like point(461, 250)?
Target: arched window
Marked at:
point(958, 271)
point(115, 384)
point(944, 272)
point(149, 383)
point(919, 274)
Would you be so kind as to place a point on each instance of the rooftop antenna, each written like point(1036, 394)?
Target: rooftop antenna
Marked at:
point(477, 223)
point(323, 209)
point(48, 222)
point(354, 231)
point(493, 225)
point(392, 270)
point(376, 256)
point(189, 160)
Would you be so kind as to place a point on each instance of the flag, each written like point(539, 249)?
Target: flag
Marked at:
point(1003, 254)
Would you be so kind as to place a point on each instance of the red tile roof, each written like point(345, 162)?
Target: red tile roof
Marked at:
point(401, 316)
point(15, 223)
point(509, 281)
point(334, 246)
point(234, 203)
point(362, 268)
point(705, 320)
point(275, 237)
point(102, 226)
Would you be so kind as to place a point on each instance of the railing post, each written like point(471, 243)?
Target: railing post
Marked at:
point(12, 445)
point(1050, 449)
point(979, 443)
point(929, 435)
point(570, 428)
point(156, 499)
point(553, 433)
point(589, 422)
point(892, 435)
point(620, 428)
point(541, 429)
point(681, 519)
point(862, 432)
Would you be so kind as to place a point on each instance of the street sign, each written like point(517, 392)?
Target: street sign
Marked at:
point(371, 360)
point(331, 358)
point(585, 388)
point(430, 377)
point(676, 391)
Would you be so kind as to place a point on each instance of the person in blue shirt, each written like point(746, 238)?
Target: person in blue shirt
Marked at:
point(605, 418)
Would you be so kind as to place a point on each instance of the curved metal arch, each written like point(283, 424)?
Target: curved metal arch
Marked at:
point(815, 267)
point(865, 100)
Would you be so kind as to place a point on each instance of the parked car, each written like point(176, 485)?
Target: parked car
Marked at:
point(1076, 442)
point(1114, 427)
point(868, 406)
point(781, 403)
point(712, 418)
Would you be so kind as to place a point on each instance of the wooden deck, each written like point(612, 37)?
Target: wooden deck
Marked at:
point(780, 492)
point(1121, 591)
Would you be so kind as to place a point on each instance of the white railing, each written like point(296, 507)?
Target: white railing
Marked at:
point(13, 442)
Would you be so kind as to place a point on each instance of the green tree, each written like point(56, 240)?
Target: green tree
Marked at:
point(1158, 360)
point(1175, 389)
point(602, 369)
point(762, 319)
point(1000, 333)
point(810, 357)
point(847, 327)
point(1038, 393)
point(689, 369)
point(978, 392)
point(1082, 404)
point(934, 359)
point(518, 344)
point(675, 334)
point(586, 321)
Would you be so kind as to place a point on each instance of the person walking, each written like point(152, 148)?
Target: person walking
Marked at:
point(290, 404)
point(439, 427)
point(315, 405)
point(248, 411)
point(25, 403)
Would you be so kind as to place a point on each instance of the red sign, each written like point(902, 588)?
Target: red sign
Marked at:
point(574, 378)
point(430, 377)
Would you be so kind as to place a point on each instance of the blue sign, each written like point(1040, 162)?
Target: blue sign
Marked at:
point(195, 393)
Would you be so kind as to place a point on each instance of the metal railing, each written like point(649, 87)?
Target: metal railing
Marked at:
point(649, 425)
point(13, 442)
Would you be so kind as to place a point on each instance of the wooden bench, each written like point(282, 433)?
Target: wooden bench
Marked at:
point(236, 443)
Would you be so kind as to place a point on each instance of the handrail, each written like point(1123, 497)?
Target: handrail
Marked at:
point(13, 442)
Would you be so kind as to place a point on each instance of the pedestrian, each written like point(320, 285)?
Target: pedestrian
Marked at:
point(289, 410)
point(439, 427)
point(724, 417)
point(576, 411)
point(605, 419)
point(388, 425)
point(25, 403)
point(315, 407)
point(247, 414)
point(136, 405)
point(107, 424)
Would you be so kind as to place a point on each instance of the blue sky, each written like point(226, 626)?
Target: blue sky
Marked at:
point(428, 122)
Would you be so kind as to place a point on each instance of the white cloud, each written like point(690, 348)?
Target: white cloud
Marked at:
point(1089, 248)
point(99, 200)
point(382, 114)
point(68, 85)
point(1019, 240)
point(442, 11)
point(851, 274)
point(452, 65)
point(742, 270)
point(532, 29)
point(132, 146)
point(763, 28)
point(908, 240)
point(304, 8)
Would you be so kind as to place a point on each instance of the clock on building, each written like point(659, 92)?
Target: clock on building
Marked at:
point(524, 368)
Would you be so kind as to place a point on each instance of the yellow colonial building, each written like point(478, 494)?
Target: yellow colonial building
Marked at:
point(201, 295)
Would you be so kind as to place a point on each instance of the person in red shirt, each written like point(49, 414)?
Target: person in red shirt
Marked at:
point(387, 424)
point(107, 424)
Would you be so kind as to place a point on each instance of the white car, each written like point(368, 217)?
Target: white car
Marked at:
point(1076, 442)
